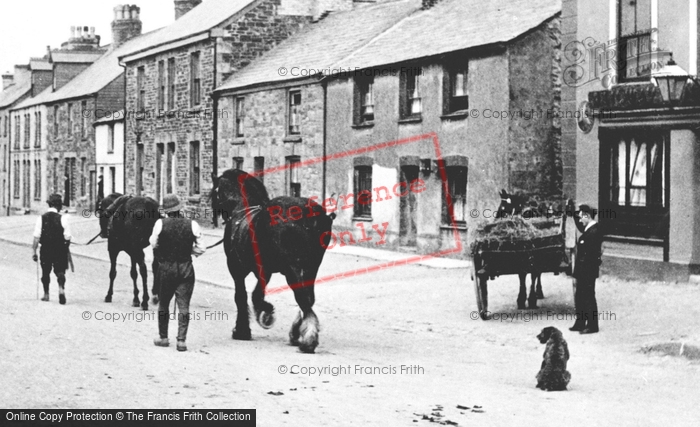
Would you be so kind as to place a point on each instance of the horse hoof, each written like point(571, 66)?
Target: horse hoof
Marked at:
point(108, 299)
point(540, 295)
point(521, 307)
point(266, 319)
point(243, 335)
point(136, 303)
point(310, 348)
point(155, 299)
point(532, 306)
point(144, 305)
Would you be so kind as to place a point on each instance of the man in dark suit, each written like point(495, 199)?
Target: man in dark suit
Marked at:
point(586, 270)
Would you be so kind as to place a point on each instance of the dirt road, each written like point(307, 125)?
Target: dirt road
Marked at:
point(418, 317)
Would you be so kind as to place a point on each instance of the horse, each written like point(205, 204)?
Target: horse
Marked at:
point(128, 222)
point(286, 235)
point(518, 204)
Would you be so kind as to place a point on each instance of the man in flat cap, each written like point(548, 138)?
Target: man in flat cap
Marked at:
point(174, 240)
point(586, 269)
point(53, 233)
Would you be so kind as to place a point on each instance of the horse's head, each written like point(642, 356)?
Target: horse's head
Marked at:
point(511, 204)
point(235, 190)
point(104, 218)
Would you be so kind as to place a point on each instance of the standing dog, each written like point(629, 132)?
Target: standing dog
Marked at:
point(553, 375)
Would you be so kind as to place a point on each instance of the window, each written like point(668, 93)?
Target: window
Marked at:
point(196, 82)
point(110, 138)
point(456, 97)
point(141, 88)
point(4, 127)
point(237, 163)
point(160, 156)
point(170, 169)
point(139, 167)
point(364, 100)
point(293, 181)
point(457, 187)
point(27, 131)
point(194, 168)
point(239, 116)
point(294, 119)
point(16, 180)
point(83, 176)
point(37, 180)
point(37, 133)
point(17, 128)
point(409, 85)
point(161, 85)
point(171, 83)
point(55, 121)
point(634, 50)
point(634, 183)
point(55, 176)
point(113, 178)
point(83, 116)
point(363, 191)
point(258, 167)
point(70, 120)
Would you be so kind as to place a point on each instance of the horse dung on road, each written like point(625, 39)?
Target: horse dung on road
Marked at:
point(127, 222)
point(259, 241)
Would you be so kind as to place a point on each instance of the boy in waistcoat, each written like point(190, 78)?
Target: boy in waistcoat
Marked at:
point(53, 233)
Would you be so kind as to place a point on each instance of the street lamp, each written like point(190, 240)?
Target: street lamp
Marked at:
point(671, 80)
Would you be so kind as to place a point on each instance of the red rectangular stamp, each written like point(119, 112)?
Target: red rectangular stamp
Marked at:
point(366, 215)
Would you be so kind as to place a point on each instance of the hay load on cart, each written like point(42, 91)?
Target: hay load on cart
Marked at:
point(517, 245)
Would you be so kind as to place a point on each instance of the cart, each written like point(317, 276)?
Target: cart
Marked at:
point(548, 254)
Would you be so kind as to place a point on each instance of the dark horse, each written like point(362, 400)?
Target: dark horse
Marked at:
point(287, 235)
point(127, 222)
point(515, 204)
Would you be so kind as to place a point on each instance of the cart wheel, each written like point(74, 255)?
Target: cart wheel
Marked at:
point(481, 290)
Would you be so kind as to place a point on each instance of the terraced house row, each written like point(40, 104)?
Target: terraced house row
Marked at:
point(160, 112)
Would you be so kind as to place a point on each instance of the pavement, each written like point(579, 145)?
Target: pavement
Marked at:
point(18, 229)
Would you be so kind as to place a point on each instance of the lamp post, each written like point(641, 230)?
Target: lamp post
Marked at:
point(671, 80)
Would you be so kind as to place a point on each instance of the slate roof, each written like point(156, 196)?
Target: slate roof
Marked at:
point(15, 92)
point(92, 80)
point(78, 57)
point(395, 32)
point(453, 25)
point(323, 44)
point(40, 64)
point(203, 17)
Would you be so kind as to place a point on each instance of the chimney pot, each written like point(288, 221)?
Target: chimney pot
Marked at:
point(72, 31)
point(126, 24)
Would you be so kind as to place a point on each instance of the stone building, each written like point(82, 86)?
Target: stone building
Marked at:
point(30, 180)
point(170, 145)
point(278, 118)
point(479, 81)
point(633, 148)
point(15, 88)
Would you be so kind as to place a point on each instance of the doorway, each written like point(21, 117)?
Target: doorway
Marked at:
point(408, 230)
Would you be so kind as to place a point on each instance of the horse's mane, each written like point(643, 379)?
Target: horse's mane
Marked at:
point(111, 209)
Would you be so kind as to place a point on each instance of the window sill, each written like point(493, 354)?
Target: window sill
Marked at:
point(363, 125)
point(459, 114)
point(411, 119)
point(362, 218)
point(292, 138)
point(238, 141)
point(458, 226)
point(194, 199)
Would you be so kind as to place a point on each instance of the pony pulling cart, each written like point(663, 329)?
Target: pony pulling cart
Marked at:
point(514, 245)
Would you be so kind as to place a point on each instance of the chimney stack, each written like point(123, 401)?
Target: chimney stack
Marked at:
point(427, 4)
point(126, 24)
point(184, 6)
point(7, 80)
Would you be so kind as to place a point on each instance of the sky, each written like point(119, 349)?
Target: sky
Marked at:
point(28, 26)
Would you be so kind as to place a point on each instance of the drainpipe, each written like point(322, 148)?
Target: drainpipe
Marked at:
point(215, 130)
point(324, 84)
point(9, 164)
point(124, 132)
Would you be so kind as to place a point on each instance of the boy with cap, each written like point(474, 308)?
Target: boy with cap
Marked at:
point(586, 270)
point(53, 233)
point(175, 239)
